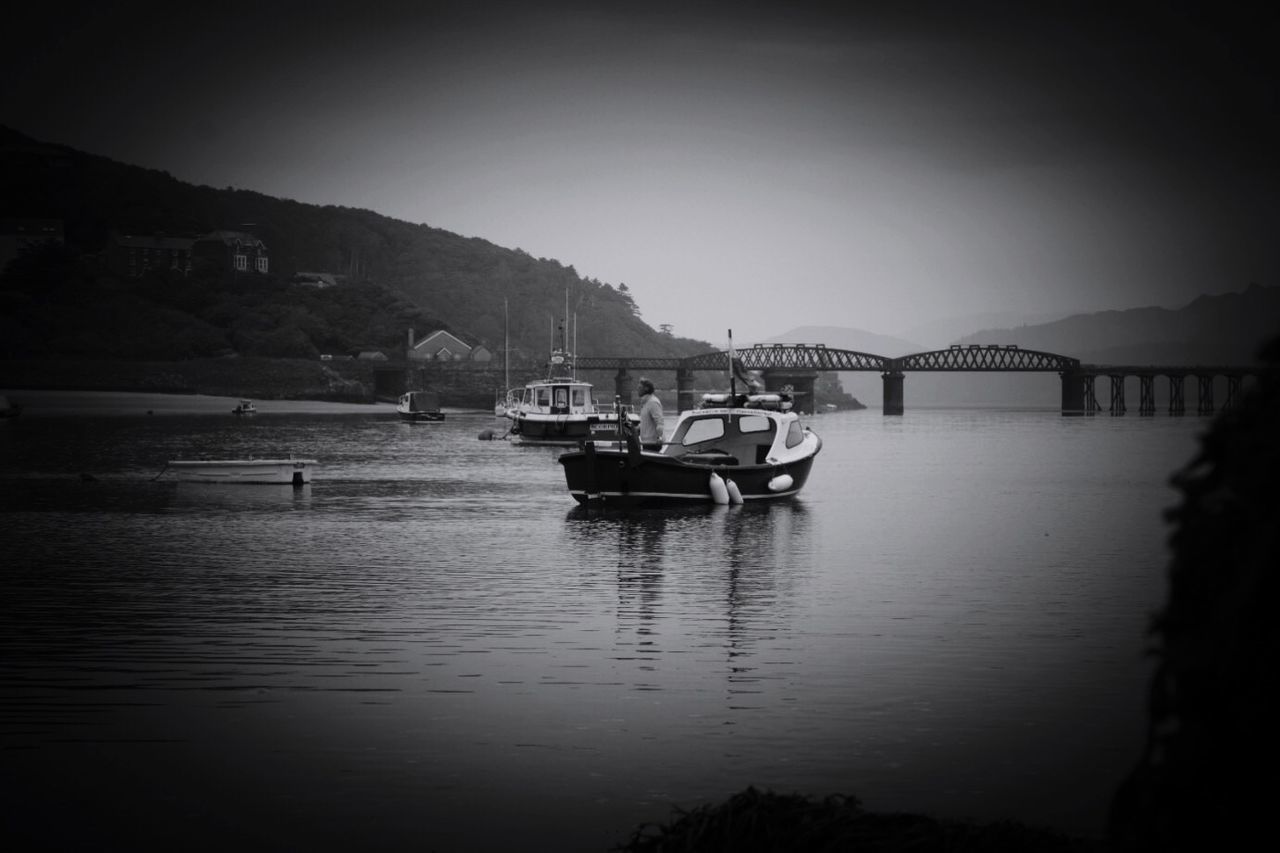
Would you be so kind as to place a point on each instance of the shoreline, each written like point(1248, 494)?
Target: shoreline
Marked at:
point(54, 402)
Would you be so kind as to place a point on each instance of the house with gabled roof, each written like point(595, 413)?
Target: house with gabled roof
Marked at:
point(445, 346)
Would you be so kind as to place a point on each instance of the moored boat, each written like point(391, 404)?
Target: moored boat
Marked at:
point(731, 449)
point(9, 409)
point(418, 406)
point(561, 410)
point(295, 472)
point(245, 407)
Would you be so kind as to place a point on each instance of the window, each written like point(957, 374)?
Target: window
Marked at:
point(562, 398)
point(261, 265)
point(795, 434)
point(579, 396)
point(242, 262)
point(705, 429)
point(543, 397)
point(754, 423)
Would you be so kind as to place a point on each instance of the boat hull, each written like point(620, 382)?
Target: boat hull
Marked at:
point(421, 417)
point(622, 478)
point(295, 472)
point(565, 429)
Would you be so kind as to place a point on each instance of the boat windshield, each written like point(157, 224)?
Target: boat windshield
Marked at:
point(699, 430)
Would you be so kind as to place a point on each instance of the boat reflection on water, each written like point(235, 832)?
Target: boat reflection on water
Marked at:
point(235, 496)
point(738, 593)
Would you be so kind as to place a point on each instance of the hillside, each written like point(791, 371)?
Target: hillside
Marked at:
point(1224, 329)
point(399, 274)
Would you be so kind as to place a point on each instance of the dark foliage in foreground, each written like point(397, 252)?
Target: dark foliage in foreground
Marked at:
point(1203, 782)
point(753, 821)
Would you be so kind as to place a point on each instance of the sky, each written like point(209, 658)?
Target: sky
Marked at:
point(748, 167)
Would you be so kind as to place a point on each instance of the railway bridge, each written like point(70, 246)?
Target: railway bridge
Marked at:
point(795, 368)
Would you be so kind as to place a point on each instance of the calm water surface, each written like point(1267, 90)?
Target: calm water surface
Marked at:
point(431, 648)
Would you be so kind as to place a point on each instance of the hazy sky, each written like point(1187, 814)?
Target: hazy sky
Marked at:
point(733, 166)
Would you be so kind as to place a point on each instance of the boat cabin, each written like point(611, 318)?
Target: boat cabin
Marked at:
point(558, 397)
point(420, 401)
point(725, 431)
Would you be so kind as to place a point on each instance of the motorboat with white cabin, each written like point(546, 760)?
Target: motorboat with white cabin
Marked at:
point(561, 409)
point(731, 449)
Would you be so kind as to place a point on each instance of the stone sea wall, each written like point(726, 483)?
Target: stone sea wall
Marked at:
point(352, 381)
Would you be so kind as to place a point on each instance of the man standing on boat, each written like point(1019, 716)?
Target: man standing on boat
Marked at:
point(650, 417)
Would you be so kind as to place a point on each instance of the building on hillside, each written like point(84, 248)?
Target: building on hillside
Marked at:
point(231, 251)
point(134, 254)
point(18, 235)
point(445, 346)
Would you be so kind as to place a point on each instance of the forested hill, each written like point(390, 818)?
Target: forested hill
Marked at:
point(397, 275)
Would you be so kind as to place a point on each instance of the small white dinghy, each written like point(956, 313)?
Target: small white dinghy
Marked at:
point(296, 472)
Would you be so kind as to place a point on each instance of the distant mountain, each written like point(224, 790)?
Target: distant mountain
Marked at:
point(941, 333)
point(1221, 329)
point(840, 337)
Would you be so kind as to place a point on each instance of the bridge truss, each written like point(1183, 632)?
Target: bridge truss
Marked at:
point(991, 357)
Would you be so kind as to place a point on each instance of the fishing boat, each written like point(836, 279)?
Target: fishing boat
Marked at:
point(296, 472)
point(561, 409)
point(731, 449)
point(245, 407)
point(417, 406)
point(9, 409)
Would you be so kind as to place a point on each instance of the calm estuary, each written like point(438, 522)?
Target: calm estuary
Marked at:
point(430, 647)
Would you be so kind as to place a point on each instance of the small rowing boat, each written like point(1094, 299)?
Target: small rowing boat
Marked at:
point(296, 472)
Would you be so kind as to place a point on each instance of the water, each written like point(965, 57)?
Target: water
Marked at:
point(431, 648)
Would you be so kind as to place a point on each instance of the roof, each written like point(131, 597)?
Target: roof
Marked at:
point(232, 238)
point(154, 241)
point(433, 340)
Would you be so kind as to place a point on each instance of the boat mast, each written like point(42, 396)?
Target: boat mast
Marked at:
point(733, 386)
point(506, 347)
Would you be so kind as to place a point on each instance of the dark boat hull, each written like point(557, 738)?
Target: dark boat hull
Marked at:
point(418, 417)
point(622, 478)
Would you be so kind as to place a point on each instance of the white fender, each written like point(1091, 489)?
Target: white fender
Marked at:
point(735, 494)
point(781, 483)
point(719, 491)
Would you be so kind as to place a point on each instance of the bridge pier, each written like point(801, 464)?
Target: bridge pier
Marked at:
point(1177, 405)
point(1074, 391)
point(1205, 402)
point(684, 389)
point(798, 383)
point(1146, 394)
point(1233, 391)
point(893, 399)
point(1117, 394)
